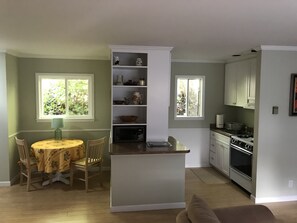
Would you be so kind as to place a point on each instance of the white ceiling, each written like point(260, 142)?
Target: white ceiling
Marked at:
point(199, 30)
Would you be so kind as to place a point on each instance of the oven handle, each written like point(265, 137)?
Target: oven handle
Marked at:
point(241, 150)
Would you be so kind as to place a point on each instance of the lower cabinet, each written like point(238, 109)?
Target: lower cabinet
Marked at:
point(219, 152)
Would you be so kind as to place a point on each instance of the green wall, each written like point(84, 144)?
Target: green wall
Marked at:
point(214, 91)
point(33, 130)
point(14, 112)
point(101, 71)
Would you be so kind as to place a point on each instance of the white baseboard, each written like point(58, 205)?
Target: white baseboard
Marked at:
point(275, 199)
point(5, 183)
point(147, 207)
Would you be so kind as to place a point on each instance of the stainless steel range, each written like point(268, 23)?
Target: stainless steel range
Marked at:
point(241, 158)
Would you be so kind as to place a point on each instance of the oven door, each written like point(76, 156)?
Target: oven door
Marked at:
point(241, 160)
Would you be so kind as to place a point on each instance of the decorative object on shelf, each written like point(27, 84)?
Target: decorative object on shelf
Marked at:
point(130, 82)
point(138, 61)
point(118, 102)
point(141, 82)
point(136, 98)
point(120, 80)
point(116, 60)
point(128, 118)
point(293, 95)
point(126, 101)
point(57, 123)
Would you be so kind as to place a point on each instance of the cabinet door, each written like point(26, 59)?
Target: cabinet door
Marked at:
point(212, 158)
point(230, 84)
point(252, 82)
point(226, 159)
point(241, 84)
point(220, 155)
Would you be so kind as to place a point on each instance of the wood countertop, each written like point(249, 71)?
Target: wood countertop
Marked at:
point(142, 148)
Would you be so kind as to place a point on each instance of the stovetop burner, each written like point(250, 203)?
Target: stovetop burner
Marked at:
point(244, 136)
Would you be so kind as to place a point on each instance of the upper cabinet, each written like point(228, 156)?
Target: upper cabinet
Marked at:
point(252, 83)
point(240, 82)
point(140, 79)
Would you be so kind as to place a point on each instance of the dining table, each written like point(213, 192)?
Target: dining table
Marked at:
point(55, 157)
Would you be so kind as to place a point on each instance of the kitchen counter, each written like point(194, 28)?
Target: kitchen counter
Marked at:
point(147, 178)
point(227, 132)
point(222, 131)
point(142, 148)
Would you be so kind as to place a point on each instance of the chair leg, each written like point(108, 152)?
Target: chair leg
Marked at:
point(101, 178)
point(71, 176)
point(50, 178)
point(28, 180)
point(86, 180)
point(21, 175)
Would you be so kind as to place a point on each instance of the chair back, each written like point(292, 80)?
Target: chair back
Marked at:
point(94, 151)
point(23, 151)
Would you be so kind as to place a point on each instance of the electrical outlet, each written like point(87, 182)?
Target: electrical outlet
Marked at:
point(291, 183)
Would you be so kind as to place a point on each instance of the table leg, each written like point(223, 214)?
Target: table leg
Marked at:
point(58, 177)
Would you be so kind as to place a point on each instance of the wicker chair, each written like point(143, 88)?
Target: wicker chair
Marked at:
point(92, 160)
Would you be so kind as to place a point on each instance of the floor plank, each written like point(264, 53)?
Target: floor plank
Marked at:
point(62, 204)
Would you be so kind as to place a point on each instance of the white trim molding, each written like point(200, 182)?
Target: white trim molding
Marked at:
point(197, 61)
point(5, 183)
point(131, 48)
point(66, 130)
point(275, 199)
point(278, 48)
point(147, 207)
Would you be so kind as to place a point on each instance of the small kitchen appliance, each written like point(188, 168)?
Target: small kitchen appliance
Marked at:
point(220, 121)
point(129, 133)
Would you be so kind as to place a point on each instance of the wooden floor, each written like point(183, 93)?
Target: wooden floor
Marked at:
point(58, 203)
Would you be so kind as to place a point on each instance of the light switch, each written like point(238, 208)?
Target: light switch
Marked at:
point(275, 110)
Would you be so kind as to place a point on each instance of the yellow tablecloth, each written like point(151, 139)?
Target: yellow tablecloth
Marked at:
point(56, 155)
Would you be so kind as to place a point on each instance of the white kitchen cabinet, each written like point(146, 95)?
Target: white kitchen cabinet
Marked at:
point(240, 83)
point(225, 157)
point(230, 84)
point(252, 83)
point(150, 79)
point(212, 150)
point(219, 154)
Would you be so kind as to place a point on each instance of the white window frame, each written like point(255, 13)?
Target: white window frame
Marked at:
point(202, 97)
point(89, 77)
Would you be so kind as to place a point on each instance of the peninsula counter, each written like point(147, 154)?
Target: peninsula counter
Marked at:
point(147, 178)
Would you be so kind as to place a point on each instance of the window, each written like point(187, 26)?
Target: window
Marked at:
point(189, 97)
point(64, 95)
